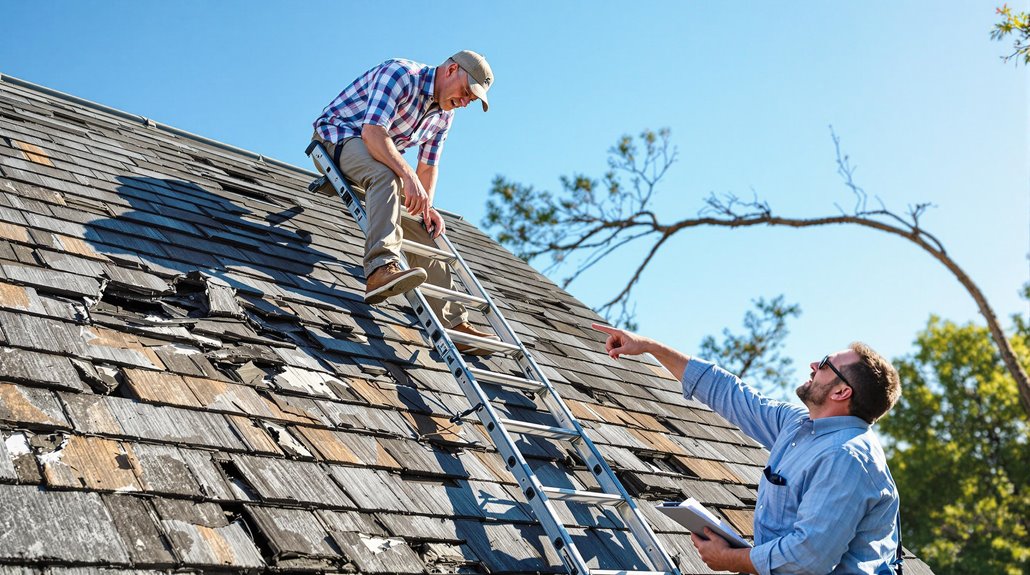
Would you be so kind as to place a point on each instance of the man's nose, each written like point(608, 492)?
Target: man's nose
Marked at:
point(814, 365)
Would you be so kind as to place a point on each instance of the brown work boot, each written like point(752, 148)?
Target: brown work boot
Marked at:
point(389, 280)
point(468, 329)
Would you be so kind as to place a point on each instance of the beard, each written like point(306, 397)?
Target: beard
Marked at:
point(811, 395)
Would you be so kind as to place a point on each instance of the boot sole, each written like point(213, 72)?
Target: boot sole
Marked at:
point(400, 285)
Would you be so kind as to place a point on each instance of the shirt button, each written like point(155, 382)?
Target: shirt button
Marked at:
point(793, 444)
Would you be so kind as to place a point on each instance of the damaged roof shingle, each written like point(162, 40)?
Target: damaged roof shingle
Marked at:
point(191, 381)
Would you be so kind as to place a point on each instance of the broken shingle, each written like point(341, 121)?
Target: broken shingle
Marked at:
point(351, 521)
point(292, 531)
point(218, 395)
point(90, 463)
point(222, 300)
point(212, 482)
point(200, 534)
point(257, 437)
point(378, 555)
point(135, 281)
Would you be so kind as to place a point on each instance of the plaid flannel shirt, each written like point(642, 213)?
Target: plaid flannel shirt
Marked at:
point(397, 95)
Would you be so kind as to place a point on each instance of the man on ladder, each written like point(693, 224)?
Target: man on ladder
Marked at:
point(396, 105)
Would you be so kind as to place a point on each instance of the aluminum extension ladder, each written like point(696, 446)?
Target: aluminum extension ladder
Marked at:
point(500, 428)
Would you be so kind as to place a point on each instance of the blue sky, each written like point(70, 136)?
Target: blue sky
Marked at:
point(916, 91)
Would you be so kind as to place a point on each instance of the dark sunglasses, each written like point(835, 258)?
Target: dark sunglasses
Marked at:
point(826, 363)
point(774, 478)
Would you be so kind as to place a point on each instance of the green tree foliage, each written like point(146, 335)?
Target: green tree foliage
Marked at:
point(958, 449)
point(755, 354)
point(1017, 25)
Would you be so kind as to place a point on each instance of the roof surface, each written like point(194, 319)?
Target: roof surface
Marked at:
point(189, 379)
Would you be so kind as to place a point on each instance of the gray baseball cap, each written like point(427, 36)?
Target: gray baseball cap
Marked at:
point(481, 77)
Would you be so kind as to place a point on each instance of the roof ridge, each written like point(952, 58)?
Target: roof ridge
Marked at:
point(150, 123)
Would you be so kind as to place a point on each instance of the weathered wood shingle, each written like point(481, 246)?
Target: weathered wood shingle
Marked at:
point(189, 379)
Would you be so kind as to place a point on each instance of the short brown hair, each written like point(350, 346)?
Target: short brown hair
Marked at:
point(874, 381)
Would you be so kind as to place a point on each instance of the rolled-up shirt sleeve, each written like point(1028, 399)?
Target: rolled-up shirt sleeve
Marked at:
point(430, 152)
point(758, 416)
point(384, 95)
point(828, 516)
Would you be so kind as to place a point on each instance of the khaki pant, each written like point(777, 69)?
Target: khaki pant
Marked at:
point(380, 188)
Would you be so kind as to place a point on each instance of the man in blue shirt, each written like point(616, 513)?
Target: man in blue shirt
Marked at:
point(827, 502)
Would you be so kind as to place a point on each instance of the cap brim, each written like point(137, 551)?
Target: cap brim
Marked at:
point(477, 89)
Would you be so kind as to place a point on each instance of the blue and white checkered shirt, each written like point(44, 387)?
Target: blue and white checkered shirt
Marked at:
point(397, 95)
point(829, 503)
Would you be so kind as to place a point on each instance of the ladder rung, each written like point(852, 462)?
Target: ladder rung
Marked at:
point(482, 342)
point(426, 251)
point(430, 290)
point(583, 496)
point(506, 380)
point(539, 430)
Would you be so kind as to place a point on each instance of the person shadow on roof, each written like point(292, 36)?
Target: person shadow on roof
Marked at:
point(259, 244)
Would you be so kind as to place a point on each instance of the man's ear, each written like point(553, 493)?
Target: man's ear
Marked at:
point(843, 393)
point(452, 69)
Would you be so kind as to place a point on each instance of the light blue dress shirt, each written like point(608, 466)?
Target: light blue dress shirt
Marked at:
point(837, 511)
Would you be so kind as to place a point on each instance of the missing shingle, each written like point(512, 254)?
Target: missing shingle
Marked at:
point(289, 444)
point(74, 119)
point(235, 477)
point(668, 425)
point(249, 193)
point(237, 512)
point(202, 160)
point(665, 464)
point(446, 558)
point(26, 467)
point(101, 379)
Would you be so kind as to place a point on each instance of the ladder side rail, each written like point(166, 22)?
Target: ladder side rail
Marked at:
point(603, 473)
point(531, 487)
point(556, 406)
point(533, 490)
point(515, 462)
point(332, 173)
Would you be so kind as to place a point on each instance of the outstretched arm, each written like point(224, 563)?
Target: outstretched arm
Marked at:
point(622, 342)
point(756, 415)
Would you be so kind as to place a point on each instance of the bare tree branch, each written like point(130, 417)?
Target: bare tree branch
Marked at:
point(593, 219)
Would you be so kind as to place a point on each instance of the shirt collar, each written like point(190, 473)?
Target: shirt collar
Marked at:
point(837, 423)
point(427, 81)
